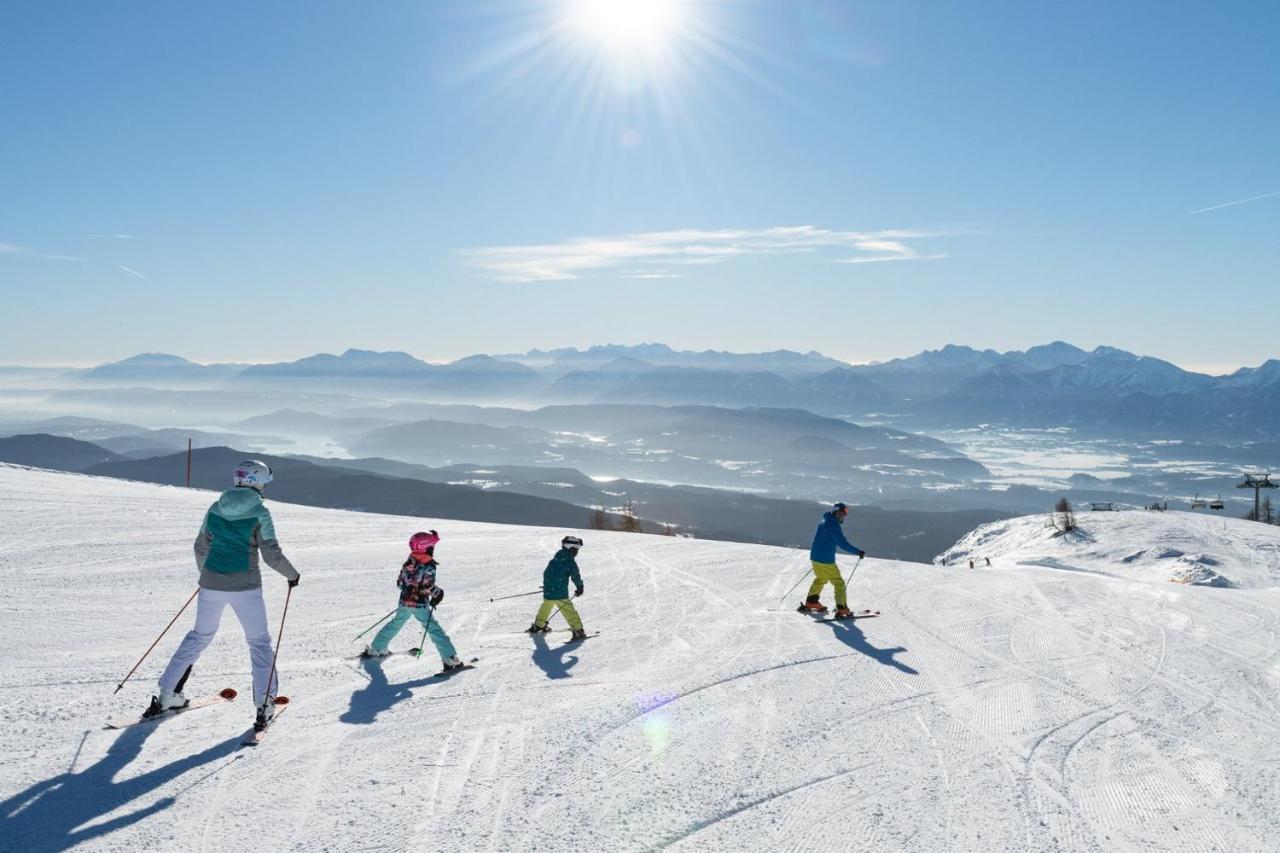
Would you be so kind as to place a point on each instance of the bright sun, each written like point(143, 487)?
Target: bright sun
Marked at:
point(629, 25)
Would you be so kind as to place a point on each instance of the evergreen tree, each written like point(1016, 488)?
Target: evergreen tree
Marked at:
point(630, 524)
point(1064, 518)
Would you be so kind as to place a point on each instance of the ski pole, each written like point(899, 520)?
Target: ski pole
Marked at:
point(517, 595)
point(426, 626)
point(558, 609)
point(855, 569)
point(153, 645)
point(796, 584)
point(375, 624)
point(272, 677)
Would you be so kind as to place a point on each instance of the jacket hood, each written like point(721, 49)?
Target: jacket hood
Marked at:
point(239, 503)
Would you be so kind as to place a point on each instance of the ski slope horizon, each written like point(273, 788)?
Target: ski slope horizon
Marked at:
point(1015, 708)
point(1182, 547)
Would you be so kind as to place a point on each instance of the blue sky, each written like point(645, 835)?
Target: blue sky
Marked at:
point(255, 182)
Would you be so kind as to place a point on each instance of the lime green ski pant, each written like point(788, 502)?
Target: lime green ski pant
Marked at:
point(828, 573)
point(566, 607)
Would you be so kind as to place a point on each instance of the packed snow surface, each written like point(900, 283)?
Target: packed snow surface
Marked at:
point(1183, 547)
point(1020, 709)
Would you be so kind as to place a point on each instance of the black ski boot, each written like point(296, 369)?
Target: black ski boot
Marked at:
point(534, 629)
point(579, 634)
point(266, 711)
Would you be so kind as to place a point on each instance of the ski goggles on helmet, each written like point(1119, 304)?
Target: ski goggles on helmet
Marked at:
point(571, 542)
point(252, 473)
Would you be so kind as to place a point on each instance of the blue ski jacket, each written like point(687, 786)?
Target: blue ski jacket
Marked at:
point(828, 538)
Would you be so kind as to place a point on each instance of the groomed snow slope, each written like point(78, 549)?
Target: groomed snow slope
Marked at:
point(1182, 547)
point(998, 710)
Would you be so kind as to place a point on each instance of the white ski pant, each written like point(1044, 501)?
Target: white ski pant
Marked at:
point(252, 613)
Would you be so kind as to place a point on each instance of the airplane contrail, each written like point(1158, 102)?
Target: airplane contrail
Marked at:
point(1234, 203)
point(135, 272)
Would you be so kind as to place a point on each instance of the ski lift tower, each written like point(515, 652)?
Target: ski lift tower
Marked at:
point(1257, 482)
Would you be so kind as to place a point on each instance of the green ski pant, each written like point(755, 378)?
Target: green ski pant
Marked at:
point(566, 607)
point(828, 573)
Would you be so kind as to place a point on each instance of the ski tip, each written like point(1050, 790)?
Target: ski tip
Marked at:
point(228, 693)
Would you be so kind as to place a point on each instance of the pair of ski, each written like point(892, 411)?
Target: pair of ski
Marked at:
point(570, 642)
point(823, 617)
point(227, 694)
point(444, 673)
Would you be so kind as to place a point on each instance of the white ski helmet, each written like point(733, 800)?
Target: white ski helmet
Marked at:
point(253, 473)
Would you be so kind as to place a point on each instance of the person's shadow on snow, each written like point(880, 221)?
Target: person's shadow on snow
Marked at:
point(555, 661)
point(379, 694)
point(848, 632)
point(51, 815)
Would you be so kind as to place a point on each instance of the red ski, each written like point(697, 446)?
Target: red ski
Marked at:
point(227, 694)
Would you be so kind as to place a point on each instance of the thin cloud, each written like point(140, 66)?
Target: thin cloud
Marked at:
point(656, 274)
point(578, 257)
point(135, 272)
point(115, 236)
point(24, 252)
point(1234, 203)
point(935, 256)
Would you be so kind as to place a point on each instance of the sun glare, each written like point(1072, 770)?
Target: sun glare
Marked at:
point(626, 24)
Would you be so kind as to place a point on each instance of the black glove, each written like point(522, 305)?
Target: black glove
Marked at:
point(437, 596)
point(862, 554)
point(294, 581)
point(577, 592)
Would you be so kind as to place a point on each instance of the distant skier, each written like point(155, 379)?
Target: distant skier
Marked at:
point(826, 540)
point(419, 596)
point(235, 529)
point(988, 559)
point(971, 562)
point(555, 589)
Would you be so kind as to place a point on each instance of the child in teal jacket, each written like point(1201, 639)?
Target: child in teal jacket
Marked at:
point(555, 589)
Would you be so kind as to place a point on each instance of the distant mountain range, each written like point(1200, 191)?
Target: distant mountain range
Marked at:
point(526, 495)
point(1056, 384)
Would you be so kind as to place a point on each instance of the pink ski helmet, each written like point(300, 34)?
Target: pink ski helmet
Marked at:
point(420, 542)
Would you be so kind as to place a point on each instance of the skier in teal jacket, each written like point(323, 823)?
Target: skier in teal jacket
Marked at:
point(235, 530)
point(555, 589)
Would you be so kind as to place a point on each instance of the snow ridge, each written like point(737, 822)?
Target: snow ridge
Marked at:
point(1183, 547)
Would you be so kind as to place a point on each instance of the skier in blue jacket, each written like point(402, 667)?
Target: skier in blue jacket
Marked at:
point(826, 540)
